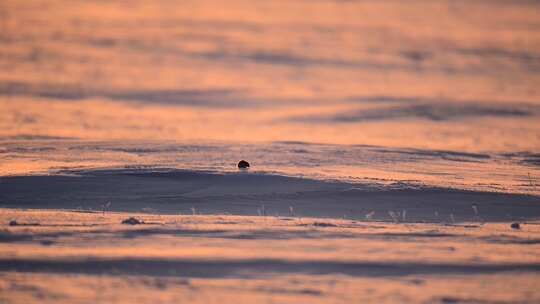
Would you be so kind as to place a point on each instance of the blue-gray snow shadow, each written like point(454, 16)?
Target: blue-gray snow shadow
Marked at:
point(525, 157)
point(201, 98)
point(251, 268)
point(433, 112)
point(178, 191)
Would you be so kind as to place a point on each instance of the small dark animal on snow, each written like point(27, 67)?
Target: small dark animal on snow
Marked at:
point(243, 164)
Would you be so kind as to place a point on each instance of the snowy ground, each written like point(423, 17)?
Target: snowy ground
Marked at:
point(174, 191)
point(409, 130)
point(89, 257)
point(254, 236)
